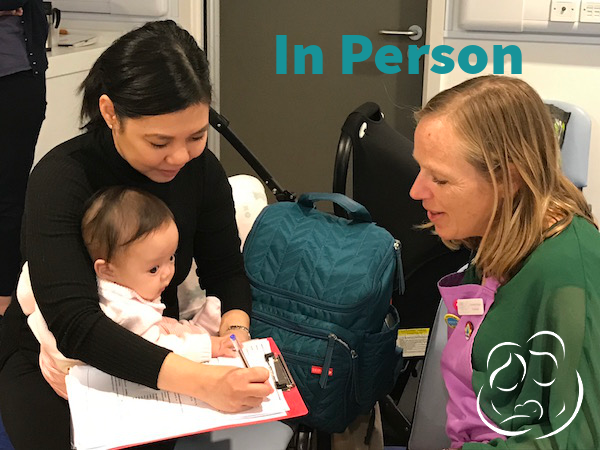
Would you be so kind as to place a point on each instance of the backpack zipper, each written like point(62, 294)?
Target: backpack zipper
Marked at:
point(393, 253)
point(329, 355)
point(307, 300)
point(290, 326)
point(331, 338)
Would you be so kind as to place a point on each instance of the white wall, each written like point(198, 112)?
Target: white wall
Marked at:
point(566, 72)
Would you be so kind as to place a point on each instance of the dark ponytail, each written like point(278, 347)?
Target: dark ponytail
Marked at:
point(152, 70)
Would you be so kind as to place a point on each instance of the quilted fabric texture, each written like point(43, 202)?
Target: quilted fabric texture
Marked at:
point(321, 288)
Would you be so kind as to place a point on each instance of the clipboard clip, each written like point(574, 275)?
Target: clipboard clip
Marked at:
point(279, 369)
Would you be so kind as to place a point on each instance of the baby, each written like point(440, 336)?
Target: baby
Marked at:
point(131, 237)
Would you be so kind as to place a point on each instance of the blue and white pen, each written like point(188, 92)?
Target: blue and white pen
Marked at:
point(239, 350)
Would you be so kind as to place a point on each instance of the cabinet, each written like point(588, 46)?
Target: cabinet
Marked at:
point(68, 67)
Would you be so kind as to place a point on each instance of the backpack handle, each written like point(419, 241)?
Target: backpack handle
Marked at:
point(356, 211)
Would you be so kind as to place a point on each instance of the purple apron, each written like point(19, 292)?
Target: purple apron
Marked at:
point(463, 423)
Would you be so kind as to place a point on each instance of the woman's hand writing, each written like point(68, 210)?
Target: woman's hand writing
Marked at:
point(226, 388)
point(239, 389)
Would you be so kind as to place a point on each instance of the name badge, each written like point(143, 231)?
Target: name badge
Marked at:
point(470, 306)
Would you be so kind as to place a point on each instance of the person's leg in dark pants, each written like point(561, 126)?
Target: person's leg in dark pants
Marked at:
point(34, 416)
point(22, 111)
point(4, 441)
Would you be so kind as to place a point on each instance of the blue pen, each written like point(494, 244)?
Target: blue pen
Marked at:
point(237, 349)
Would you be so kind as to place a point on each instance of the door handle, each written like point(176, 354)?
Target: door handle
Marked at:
point(415, 32)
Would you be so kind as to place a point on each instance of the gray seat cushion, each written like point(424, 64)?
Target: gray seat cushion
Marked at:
point(429, 421)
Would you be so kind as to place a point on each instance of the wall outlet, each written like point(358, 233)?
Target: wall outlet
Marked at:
point(590, 11)
point(561, 11)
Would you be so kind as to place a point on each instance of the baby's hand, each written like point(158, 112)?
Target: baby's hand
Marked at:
point(222, 346)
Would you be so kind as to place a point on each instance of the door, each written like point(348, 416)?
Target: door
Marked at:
point(292, 121)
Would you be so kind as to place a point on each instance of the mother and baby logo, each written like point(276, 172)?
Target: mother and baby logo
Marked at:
point(538, 409)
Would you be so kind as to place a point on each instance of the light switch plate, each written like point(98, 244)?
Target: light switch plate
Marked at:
point(590, 11)
point(562, 11)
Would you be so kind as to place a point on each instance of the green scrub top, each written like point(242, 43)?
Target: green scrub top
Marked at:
point(532, 382)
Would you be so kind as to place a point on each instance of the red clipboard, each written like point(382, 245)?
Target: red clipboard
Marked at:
point(292, 397)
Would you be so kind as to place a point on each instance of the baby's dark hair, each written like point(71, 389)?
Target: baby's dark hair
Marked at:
point(118, 216)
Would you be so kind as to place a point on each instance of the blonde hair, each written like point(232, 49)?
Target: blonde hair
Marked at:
point(507, 134)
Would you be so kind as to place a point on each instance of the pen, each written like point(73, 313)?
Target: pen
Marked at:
point(239, 351)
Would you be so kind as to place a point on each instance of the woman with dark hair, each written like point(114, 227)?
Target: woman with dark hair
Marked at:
point(146, 102)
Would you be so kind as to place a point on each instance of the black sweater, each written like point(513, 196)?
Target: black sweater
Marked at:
point(36, 30)
point(62, 275)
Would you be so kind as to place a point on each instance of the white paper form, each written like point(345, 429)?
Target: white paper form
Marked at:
point(109, 412)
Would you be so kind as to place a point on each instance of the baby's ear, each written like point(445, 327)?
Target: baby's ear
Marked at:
point(103, 269)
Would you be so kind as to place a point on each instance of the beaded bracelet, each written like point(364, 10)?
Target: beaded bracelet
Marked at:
point(239, 327)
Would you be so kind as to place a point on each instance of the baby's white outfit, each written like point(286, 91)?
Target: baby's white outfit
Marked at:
point(188, 338)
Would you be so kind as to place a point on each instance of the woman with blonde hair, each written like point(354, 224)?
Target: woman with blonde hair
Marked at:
point(519, 355)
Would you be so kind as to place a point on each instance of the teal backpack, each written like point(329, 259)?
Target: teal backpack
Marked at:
point(322, 288)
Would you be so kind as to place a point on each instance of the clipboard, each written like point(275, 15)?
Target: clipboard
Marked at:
point(86, 385)
point(292, 395)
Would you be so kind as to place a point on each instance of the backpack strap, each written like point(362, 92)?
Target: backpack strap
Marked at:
point(356, 211)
